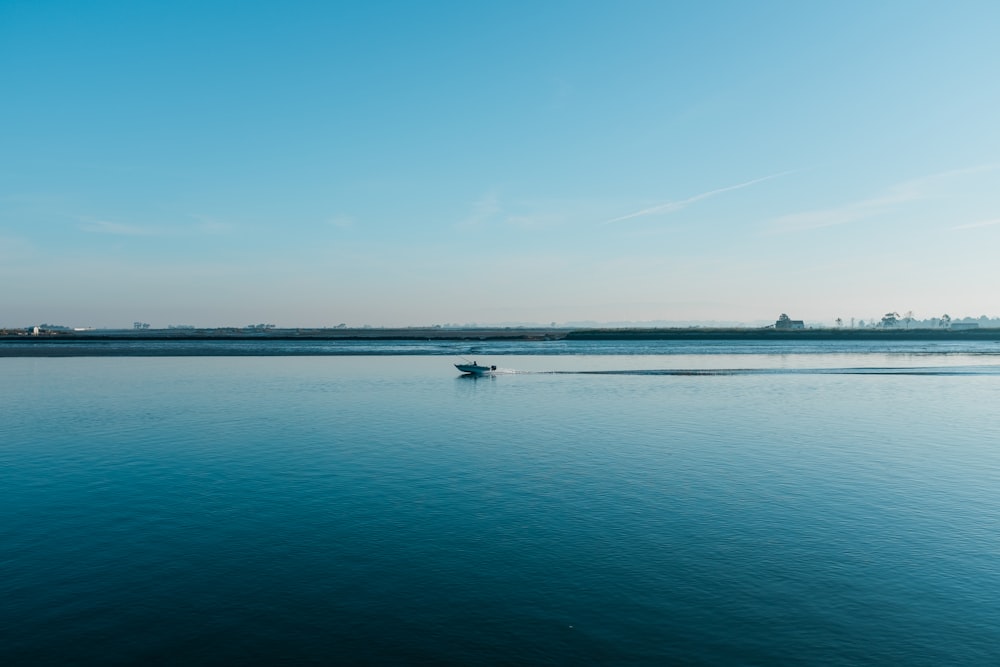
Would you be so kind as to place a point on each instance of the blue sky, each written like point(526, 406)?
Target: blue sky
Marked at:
point(402, 163)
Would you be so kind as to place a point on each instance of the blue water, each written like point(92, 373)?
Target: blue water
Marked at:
point(814, 505)
point(30, 346)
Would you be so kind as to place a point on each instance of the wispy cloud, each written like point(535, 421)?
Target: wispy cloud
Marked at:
point(341, 221)
point(673, 206)
point(120, 229)
point(535, 221)
point(211, 226)
point(892, 197)
point(205, 226)
point(846, 213)
point(963, 171)
point(483, 210)
point(976, 225)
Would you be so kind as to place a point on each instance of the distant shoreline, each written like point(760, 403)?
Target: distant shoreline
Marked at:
point(496, 333)
point(784, 334)
point(339, 342)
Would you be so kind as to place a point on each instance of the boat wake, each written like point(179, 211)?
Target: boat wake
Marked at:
point(921, 370)
point(953, 370)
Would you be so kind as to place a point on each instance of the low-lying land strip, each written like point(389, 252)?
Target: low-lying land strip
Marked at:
point(495, 333)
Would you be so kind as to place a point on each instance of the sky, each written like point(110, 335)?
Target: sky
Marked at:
point(381, 163)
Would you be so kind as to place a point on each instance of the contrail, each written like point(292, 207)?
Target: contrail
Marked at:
point(672, 206)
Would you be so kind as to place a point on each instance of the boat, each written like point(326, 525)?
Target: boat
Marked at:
point(475, 369)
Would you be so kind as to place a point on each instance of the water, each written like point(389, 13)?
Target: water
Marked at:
point(61, 347)
point(814, 505)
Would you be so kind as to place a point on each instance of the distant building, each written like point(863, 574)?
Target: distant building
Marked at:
point(784, 322)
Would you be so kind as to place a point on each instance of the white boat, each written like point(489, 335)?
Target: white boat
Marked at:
point(475, 369)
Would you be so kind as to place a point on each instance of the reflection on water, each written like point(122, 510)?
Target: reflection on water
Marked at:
point(752, 508)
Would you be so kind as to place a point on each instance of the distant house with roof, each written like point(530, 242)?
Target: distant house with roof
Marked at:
point(785, 322)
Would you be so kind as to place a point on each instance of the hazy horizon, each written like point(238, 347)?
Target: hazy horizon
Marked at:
point(392, 164)
point(857, 323)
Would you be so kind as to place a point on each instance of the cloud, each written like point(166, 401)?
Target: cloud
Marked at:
point(846, 213)
point(977, 225)
point(963, 171)
point(535, 221)
point(483, 210)
point(891, 198)
point(204, 227)
point(673, 206)
point(341, 221)
point(211, 226)
point(117, 228)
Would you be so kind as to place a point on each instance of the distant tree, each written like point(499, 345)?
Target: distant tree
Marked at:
point(946, 320)
point(889, 320)
point(784, 319)
point(908, 318)
point(839, 322)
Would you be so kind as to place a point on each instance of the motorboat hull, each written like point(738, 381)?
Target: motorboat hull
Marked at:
point(475, 369)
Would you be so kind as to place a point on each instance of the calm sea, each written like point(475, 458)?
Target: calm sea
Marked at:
point(597, 503)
